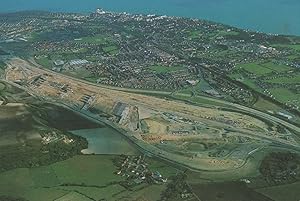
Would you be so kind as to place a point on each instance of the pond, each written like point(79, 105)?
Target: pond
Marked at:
point(105, 141)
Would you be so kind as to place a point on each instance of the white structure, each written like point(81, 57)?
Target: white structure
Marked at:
point(289, 117)
point(59, 62)
point(78, 62)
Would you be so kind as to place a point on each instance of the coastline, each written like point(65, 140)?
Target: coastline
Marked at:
point(255, 16)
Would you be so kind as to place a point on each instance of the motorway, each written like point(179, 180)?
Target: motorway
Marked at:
point(147, 148)
point(165, 93)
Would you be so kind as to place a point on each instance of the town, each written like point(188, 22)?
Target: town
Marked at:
point(136, 170)
point(154, 52)
point(119, 106)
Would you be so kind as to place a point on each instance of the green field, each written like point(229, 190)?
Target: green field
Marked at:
point(90, 170)
point(19, 183)
point(255, 68)
point(249, 82)
point(266, 105)
point(74, 196)
point(194, 34)
point(284, 95)
point(276, 67)
point(46, 181)
point(227, 191)
point(264, 68)
point(88, 176)
point(288, 80)
point(97, 39)
point(81, 73)
point(111, 49)
point(295, 47)
point(228, 33)
point(44, 61)
point(289, 192)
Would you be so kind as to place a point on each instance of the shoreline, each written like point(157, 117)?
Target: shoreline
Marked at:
point(288, 27)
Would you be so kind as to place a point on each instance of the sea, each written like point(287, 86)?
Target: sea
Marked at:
point(269, 16)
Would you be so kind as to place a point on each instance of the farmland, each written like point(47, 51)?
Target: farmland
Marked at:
point(93, 177)
point(90, 176)
point(263, 68)
point(117, 106)
point(285, 192)
point(289, 80)
point(285, 95)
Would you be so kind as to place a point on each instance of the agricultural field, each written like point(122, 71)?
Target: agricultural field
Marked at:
point(266, 105)
point(278, 81)
point(74, 196)
point(294, 47)
point(288, 192)
point(286, 95)
point(25, 143)
point(292, 79)
point(194, 34)
point(183, 109)
point(116, 53)
point(81, 73)
point(90, 176)
point(255, 68)
point(233, 191)
point(77, 171)
point(45, 61)
point(263, 68)
point(93, 178)
point(247, 81)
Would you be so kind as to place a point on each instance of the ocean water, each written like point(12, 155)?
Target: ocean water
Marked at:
point(271, 16)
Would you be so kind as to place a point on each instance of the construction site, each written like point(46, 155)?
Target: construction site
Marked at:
point(198, 137)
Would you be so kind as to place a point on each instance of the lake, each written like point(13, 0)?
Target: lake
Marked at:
point(101, 138)
point(105, 141)
point(272, 16)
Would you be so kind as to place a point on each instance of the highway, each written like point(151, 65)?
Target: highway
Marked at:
point(147, 148)
point(240, 107)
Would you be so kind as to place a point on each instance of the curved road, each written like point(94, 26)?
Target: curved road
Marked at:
point(240, 107)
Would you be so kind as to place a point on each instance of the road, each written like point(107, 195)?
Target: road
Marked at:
point(146, 148)
point(165, 93)
point(150, 148)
